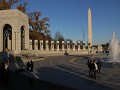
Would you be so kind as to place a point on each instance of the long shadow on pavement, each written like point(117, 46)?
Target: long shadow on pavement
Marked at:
point(62, 77)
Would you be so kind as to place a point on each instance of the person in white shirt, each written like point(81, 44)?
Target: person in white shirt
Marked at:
point(95, 68)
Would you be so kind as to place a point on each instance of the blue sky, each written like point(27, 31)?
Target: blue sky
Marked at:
point(70, 17)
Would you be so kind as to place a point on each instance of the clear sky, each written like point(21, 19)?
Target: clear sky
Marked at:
point(70, 17)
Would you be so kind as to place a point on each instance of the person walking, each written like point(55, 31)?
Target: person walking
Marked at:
point(99, 64)
point(89, 64)
point(95, 69)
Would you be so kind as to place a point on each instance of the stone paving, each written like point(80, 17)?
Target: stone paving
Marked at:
point(110, 74)
point(72, 71)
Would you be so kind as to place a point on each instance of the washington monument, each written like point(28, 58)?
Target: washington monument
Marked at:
point(89, 27)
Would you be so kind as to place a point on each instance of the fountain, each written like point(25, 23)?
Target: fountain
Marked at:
point(114, 50)
point(111, 59)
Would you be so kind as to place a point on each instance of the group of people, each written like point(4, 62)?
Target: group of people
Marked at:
point(94, 68)
point(30, 66)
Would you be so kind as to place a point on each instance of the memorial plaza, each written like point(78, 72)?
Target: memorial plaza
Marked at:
point(58, 65)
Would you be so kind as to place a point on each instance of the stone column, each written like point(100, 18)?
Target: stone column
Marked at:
point(1, 36)
point(13, 40)
point(36, 45)
point(63, 46)
point(89, 48)
point(16, 40)
point(73, 46)
point(26, 35)
point(68, 45)
point(100, 48)
point(41, 45)
point(57, 45)
point(30, 46)
point(78, 45)
point(47, 47)
point(52, 45)
point(83, 46)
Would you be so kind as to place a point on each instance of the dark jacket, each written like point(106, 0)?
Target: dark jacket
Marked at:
point(99, 64)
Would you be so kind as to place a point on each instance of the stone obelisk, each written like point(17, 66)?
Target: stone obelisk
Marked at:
point(89, 27)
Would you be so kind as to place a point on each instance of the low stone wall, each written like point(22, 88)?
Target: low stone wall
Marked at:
point(56, 53)
point(40, 52)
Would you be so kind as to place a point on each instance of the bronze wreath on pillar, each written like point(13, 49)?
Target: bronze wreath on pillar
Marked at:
point(47, 44)
point(57, 44)
point(41, 44)
point(89, 44)
point(73, 44)
point(83, 43)
point(30, 43)
point(67, 43)
point(36, 43)
point(78, 43)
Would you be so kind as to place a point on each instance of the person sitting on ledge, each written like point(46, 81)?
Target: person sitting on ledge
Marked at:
point(31, 66)
point(66, 53)
point(28, 65)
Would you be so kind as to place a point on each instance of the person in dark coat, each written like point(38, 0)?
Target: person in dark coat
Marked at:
point(4, 73)
point(99, 64)
point(28, 65)
point(90, 66)
point(31, 66)
point(2, 69)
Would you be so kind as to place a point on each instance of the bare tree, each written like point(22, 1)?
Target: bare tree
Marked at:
point(40, 25)
point(7, 4)
point(58, 36)
point(22, 7)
